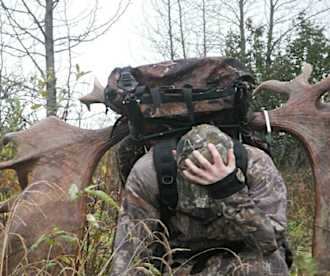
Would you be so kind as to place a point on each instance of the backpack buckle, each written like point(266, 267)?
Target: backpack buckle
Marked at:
point(167, 179)
point(126, 80)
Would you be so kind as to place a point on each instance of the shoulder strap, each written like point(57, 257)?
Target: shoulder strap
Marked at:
point(166, 171)
point(240, 156)
point(165, 166)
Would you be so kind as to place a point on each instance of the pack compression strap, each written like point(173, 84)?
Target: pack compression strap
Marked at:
point(166, 170)
point(240, 156)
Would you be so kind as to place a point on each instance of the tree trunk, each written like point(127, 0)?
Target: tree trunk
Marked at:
point(170, 31)
point(242, 31)
point(50, 60)
point(204, 30)
point(270, 32)
point(181, 30)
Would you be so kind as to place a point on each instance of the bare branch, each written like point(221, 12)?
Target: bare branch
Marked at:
point(34, 18)
point(15, 23)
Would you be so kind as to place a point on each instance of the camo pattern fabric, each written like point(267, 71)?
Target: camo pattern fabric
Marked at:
point(197, 72)
point(243, 264)
point(197, 139)
point(249, 224)
point(194, 200)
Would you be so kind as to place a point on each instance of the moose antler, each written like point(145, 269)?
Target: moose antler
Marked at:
point(308, 118)
point(96, 96)
point(54, 157)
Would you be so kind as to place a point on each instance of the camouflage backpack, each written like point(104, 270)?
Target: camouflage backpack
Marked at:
point(166, 99)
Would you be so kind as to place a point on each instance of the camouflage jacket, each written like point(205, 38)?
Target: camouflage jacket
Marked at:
point(254, 217)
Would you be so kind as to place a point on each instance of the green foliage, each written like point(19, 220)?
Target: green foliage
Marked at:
point(79, 73)
point(11, 115)
point(232, 45)
point(309, 45)
point(74, 192)
point(98, 194)
point(304, 264)
point(52, 238)
point(300, 218)
point(11, 119)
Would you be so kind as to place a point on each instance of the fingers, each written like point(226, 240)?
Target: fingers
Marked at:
point(205, 172)
point(202, 160)
point(231, 159)
point(217, 160)
point(194, 178)
point(194, 169)
point(174, 153)
point(202, 175)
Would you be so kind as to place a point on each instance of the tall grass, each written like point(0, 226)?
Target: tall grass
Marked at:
point(95, 249)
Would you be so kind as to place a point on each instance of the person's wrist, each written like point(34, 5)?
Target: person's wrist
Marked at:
point(230, 184)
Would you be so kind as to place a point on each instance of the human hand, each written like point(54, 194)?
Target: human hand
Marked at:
point(208, 173)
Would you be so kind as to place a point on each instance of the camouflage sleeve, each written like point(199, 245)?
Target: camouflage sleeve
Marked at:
point(267, 189)
point(258, 212)
point(137, 219)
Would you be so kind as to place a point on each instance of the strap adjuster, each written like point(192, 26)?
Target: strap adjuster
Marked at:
point(167, 179)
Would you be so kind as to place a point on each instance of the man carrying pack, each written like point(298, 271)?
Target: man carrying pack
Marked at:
point(224, 207)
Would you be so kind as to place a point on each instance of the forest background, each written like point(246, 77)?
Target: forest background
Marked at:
point(47, 48)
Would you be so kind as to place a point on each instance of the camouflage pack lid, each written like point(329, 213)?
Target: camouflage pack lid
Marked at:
point(194, 72)
point(194, 198)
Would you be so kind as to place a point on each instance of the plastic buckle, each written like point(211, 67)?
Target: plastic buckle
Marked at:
point(167, 180)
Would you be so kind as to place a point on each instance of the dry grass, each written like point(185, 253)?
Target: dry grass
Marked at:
point(300, 185)
point(96, 248)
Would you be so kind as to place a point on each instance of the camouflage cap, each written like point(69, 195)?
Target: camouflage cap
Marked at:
point(197, 139)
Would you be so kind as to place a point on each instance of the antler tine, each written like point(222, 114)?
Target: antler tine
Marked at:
point(323, 86)
point(291, 88)
point(10, 137)
point(274, 86)
point(306, 73)
point(96, 96)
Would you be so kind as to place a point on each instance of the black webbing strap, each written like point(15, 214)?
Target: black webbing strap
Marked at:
point(240, 156)
point(241, 102)
point(165, 166)
point(231, 184)
point(135, 118)
point(156, 97)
